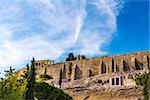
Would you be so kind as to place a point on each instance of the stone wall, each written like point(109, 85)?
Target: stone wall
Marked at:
point(124, 66)
point(105, 67)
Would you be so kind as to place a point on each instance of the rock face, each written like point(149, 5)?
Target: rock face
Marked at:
point(102, 74)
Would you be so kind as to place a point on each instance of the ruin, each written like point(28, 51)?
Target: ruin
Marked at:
point(106, 75)
point(118, 70)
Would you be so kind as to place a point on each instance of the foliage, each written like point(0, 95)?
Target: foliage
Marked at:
point(70, 57)
point(45, 77)
point(44, 91)
point(31, 81)
point(9, 72)
point(12, 88)
point(144, 80)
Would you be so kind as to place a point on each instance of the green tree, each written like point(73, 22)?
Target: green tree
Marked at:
point(29, 94)
point(144, 80)
point(9, 72)
point(60, 78)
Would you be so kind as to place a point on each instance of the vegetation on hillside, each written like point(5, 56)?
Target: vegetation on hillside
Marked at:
point(44, 91)
point(12, 88)
point(29, 94)
point(144, 80)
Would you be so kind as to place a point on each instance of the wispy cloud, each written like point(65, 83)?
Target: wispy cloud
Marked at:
point(48, 28)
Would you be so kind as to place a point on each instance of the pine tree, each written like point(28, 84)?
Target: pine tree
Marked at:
point(29, 94)
point(60, 78)
point(9, 72)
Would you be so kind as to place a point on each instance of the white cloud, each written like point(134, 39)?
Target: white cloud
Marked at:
point(48, 28)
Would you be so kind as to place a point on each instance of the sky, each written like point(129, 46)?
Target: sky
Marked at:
point(50, 29)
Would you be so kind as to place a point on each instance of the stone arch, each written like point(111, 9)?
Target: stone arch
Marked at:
point(125, 66)
point(138, 65)
point(117, 68)
point(64, 72)
point(78, 73)
point(90, 73)
point(103, 67)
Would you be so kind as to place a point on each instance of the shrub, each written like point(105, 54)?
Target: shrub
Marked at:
point(44, 91)
point(144, 80)
point(45, 77)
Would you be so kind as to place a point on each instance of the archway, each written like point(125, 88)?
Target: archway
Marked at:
point(78, 73)
point(103, 67)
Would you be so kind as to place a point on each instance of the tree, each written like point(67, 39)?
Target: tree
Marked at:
point(144, 80)
point(29, 94)
point(60, 78)
point(70, 57)
point(9, 72)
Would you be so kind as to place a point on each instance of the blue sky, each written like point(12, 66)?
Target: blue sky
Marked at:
point(50, 29)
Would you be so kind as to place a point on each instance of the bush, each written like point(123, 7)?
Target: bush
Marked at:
point(144, 80)
point(44, 91)
point(45, 77)
point(12, 88)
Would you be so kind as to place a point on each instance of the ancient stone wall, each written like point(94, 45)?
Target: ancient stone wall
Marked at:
point(124, 66)
point(105, 66)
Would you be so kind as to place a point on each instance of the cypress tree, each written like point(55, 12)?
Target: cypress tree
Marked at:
point(29, 94)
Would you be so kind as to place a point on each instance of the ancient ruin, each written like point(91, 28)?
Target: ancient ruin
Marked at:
point(118, 71)
point(112, 71)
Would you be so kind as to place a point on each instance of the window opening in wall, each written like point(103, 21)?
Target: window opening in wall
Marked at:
point(113, 81)
point(117, 81)
point(125, 66)
point(121, 79)
point(138, 65)
point(78, 73)
point(113, 67)
point(117, 69)
point(90, 73)
point(107, 81)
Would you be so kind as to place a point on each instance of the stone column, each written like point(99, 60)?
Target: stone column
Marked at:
point(110, 81)
point(145, 62)
point(100, 68)
point(121, 66)
point(133, 63)
point(107, 67)
point(73, 72)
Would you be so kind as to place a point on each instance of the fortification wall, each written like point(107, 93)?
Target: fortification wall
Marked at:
point(83, 69)
point(128, 66)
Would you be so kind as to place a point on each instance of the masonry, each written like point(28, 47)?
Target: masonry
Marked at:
point(118, 70)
